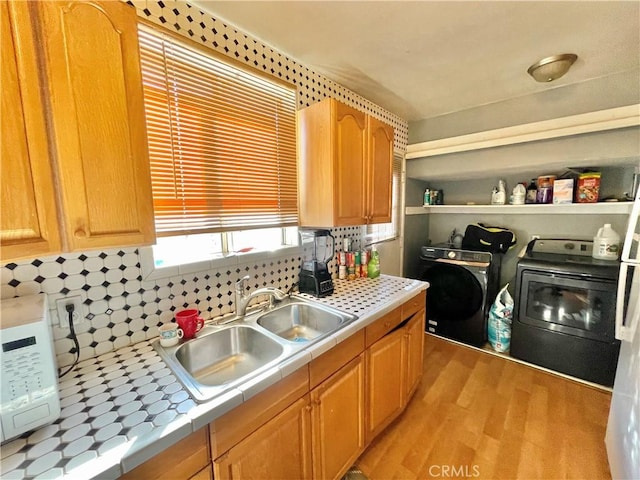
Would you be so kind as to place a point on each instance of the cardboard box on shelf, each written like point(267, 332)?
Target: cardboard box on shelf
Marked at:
point(588, 188)
point(563, 191)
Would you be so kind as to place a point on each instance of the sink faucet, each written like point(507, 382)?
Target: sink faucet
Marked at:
point(242, 300)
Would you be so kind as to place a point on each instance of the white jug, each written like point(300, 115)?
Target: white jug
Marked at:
point(606, 244)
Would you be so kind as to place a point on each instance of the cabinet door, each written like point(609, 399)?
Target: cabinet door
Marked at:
point(380, 171)
point(97, 113)
point(204, 474)
point(415, 352)
point(28, 224)
point(350, 175)
point(385, 377)
point(279, 449)
point(338, 420)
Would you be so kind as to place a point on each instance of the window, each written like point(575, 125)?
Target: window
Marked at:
point(222, 148)
point(389, 231)
point(189, 249)
point(221, 141)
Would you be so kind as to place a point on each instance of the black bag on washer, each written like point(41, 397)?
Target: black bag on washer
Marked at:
point(488, 239)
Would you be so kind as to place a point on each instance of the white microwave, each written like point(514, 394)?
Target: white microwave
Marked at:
point(29, 393)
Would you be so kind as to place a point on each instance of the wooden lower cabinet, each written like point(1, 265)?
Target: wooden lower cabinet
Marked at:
point(414, 341)
point(280, 449)
point(385, 381)
point(316, 422)
point(338, 412)
point(394, 363)
point(204, 474)
point(187, 459)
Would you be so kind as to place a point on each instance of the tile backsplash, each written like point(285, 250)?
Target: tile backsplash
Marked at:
point(120, 308)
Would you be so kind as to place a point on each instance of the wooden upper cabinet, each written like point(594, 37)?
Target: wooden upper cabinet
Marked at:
point(28, 224)
point(345, 162)
point(381, 171)
point(97, 122)
point(349, 166)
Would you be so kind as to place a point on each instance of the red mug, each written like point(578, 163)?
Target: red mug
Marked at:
point(190, 322)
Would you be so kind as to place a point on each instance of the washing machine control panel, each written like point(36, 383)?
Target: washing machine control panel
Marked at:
point(455, 254)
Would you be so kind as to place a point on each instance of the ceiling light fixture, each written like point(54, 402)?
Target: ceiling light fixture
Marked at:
point(551, 68)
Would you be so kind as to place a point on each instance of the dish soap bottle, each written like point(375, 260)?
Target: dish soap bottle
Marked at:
point(427, 198)
point(606, 244)
point(373, 268)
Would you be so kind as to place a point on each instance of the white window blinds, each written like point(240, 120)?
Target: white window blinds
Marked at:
point(222, 142)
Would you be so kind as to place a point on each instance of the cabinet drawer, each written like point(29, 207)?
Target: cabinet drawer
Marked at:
point(182, 460)
point(382, 326)
point(414, 305)
point(243, 420)
point(329, 362)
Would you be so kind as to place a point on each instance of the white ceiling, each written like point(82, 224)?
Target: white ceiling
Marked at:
point(421, 59)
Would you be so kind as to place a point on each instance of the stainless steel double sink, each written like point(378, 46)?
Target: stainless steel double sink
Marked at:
point(222, 357)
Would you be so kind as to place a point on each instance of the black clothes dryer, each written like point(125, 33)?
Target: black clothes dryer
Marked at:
point(463, 285)
point(564, 312)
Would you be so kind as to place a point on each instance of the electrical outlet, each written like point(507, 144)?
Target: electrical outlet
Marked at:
point(63, 315)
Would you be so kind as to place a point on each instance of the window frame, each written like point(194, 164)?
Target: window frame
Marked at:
point(225, 260)
point(150, 272)
point(283, 208)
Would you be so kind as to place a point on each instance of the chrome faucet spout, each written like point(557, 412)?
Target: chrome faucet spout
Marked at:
point(242, 299)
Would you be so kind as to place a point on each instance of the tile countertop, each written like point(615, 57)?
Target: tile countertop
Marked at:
point(122, 408)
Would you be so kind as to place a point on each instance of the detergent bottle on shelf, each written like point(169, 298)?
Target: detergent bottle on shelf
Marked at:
point(606, 243)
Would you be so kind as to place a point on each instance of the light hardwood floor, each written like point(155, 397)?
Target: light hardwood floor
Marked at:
point(476, 415)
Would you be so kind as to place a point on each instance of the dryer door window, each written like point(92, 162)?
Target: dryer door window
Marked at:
point(569, 305)
point(455, 294)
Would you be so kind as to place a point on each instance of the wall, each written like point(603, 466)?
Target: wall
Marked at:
point(416, 228)
point(120, 307)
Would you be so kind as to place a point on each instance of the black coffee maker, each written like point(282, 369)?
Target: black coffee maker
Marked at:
point(317, 252)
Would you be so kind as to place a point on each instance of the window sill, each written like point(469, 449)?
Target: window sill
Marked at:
point(151, 272)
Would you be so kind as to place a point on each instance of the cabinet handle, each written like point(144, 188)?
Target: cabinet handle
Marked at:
point(80, 233)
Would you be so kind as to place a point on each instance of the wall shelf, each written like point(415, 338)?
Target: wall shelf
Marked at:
point(603, 208)
point(611, 119)
point(595, 139)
